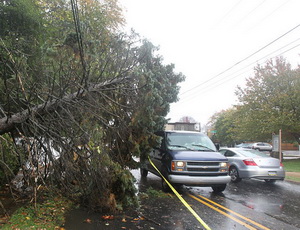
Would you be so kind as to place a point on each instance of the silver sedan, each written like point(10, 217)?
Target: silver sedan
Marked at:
point(250, 163)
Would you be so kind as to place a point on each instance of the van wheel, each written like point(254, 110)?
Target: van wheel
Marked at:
point(164, 185)
point(144, 172)
point(218, 188)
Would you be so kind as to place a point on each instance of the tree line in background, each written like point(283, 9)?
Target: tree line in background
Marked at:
point(270, 101)
point(79, 99)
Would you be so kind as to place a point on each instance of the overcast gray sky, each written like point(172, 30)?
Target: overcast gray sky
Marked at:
point(216, 44)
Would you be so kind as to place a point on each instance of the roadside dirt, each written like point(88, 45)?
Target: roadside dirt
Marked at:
point(8, 205)
point(293, 174)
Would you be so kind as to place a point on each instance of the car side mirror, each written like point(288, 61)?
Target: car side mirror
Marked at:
point(217, 146)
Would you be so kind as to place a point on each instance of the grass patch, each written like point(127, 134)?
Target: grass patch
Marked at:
point(49, 214)
point(292, 165)
point(292, 178)
point(156, 193)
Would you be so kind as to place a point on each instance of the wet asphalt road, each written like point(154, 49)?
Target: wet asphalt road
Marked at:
point(252, 204)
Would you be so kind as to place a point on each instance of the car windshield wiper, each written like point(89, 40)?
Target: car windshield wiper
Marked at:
point(180, 146)
point(203, 146)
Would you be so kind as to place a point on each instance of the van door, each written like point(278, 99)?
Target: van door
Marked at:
point(156, 155)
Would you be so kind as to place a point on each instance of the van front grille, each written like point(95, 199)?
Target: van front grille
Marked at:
point(203, 166)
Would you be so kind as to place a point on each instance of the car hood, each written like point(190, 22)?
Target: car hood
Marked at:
point(197, 156)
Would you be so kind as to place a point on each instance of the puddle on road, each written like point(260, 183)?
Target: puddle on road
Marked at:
point(270, 206)
point(143, 183)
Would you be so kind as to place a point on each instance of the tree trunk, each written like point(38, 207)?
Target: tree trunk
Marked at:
point(8, 124)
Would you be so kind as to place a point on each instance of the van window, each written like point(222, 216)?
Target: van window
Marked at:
point(189, 140)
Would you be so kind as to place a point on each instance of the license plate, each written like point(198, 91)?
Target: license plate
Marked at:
point(272, 173)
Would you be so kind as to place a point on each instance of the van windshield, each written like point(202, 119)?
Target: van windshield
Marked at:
point(190, 141)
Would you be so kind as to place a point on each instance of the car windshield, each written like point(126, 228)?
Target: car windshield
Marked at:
point(190, 141)
point(251, 153)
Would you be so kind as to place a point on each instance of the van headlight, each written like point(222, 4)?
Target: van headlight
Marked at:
point(223, 166)
point(178, 166)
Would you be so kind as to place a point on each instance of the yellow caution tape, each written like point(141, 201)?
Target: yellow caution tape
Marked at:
point(180, 198)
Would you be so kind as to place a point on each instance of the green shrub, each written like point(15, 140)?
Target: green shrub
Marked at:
point(9, 161)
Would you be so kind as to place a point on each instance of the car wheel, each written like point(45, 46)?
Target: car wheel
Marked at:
point(270, 181)
point(234, 174)
point(144, 172)
point(218, 188)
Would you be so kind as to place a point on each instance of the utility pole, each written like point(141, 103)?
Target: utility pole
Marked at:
point(280, 153)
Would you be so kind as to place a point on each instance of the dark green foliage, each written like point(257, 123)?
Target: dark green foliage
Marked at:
point(224, 125)
point(19, 18)
point(22, 33)
point(97, 104)
point(9, 160)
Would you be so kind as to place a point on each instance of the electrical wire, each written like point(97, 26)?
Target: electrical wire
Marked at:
point(229, 12)
point(274, 11)
point(226, 79)
point(251, 12)
point(239, 62)
point(79, 39)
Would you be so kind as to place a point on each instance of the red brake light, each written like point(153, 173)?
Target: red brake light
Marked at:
point(249, 162)
point(281, 164)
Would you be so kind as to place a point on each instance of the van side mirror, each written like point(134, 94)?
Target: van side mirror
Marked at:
point(217, 146)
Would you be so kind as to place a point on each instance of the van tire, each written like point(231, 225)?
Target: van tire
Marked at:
point(144, 172)
point(164, 185)
point(218, 188)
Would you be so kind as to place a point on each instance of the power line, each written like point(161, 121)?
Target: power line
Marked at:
point(225, 80)
point(251, 12)
point(79, 39)
point(274, 11)
point(239, 62)
point(232, 8)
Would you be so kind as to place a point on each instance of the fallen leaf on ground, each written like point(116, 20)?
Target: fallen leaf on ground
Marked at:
point(108, 217)
point(88, 221)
